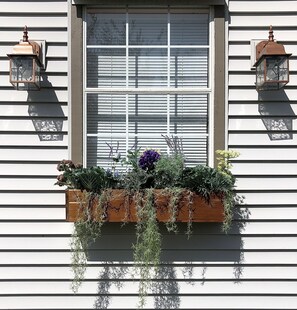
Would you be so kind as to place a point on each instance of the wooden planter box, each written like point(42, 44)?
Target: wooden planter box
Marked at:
point(121, 207)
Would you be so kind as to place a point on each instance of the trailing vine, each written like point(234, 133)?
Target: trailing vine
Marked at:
point(189, 197)
point(87, 229)
point(175, 195)
point(147, 249)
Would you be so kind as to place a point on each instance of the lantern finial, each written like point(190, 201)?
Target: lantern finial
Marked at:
point(25, 34)
point(271, 36)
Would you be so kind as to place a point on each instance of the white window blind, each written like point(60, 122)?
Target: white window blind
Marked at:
point(147, 75)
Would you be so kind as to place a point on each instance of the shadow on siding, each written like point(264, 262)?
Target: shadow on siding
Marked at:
point(277, 114)
point(46, 112)
point(207, 247)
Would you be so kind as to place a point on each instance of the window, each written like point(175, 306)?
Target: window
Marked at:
point(147, 73)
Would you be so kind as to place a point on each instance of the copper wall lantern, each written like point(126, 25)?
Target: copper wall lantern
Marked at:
point(272, 64)
point(26, 61)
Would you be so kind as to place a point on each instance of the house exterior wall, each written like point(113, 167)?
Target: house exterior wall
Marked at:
point(266, 170)
point(33, 235)
point(254, 267)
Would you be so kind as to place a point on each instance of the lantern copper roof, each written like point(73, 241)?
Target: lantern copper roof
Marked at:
point(269, 48)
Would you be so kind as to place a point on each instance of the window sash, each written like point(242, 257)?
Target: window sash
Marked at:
point(126, 87)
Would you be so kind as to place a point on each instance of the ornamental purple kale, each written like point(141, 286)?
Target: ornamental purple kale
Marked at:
point(148, 159)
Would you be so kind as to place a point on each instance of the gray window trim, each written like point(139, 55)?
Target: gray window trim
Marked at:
point(76, 80)
point(151, 2)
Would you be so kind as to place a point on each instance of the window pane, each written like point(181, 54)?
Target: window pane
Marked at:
point(106, 114)
point(189, 67)
point(148, 120)
point(147, 67)
point(195, 150)
point(189, 29)
point(148, 29)
point(106, 29)
point(189, 120)
point(106, 118)
point(106, 67)
point(98, 152)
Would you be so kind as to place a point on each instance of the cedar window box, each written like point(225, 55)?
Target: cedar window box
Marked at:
point(120, 207)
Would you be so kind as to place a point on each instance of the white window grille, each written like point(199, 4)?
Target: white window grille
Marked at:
point(147, 74)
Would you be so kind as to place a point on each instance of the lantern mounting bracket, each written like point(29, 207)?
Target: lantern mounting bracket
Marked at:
point(253, 44)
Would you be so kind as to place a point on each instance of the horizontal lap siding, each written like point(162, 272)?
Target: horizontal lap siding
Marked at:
point(33, 138)
point(124, 302)
point(254, 267)
point(262, 127)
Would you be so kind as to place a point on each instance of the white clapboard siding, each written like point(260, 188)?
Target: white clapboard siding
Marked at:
point(30, 7)
point(238, 94)
point(252, 267)
point(255, 154)
point(258, 138)
point(45, 124)
point(28, 169)
point(25, 184)
point(37, 213)
point(49, 36)
point(255, 124)
point(241, 35)
point(38, 154)
point(266, 169)
point(27, 109)
point(249, 79)
point(239, 65)
point(24, 137)
point(244, 65)
point(131, 287)
point(28, 198)
point(55, 81)
point(267, 183)
point(44, 95)
point(246, 108)
point(273, 198)
point(261, 20)
point(250, 228)
point(35, 139)
point(20, 228)
point(252, 6)
point(125, 302)
point(197, 256)
point(52, 66)
point(169, 242)
point(34, 22)
point(57, 66)
point(53, 50)
point(279, 213)
point(244, 49)
point(202, 272)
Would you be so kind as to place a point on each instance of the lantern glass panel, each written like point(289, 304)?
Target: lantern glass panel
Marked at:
point(272, 73)
point(25, 73)
point(260, 74)
point(277, 68)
